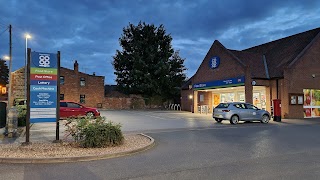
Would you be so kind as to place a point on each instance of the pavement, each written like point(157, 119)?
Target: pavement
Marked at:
point(46, 133)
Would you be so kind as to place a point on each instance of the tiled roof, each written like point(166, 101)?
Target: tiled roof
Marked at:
point(254, 60)
point(280, 53)
point(185, 85)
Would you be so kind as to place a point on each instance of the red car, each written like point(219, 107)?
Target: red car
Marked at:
point(69, 109)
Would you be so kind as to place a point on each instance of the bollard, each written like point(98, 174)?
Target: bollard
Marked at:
point(12, 122)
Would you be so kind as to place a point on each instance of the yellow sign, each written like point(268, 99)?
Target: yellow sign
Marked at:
point(3, 90)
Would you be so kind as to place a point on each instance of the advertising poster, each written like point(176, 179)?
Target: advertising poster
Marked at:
point(216, 99)
point(43, 87)
point(311, 104)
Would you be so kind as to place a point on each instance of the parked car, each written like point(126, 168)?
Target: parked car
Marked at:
point(73, 109)
point(238, 111)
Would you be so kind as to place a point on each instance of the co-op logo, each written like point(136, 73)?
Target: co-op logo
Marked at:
point(214, 62)
point(44, 60)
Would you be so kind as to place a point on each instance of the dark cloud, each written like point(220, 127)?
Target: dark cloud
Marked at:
point(88, 30)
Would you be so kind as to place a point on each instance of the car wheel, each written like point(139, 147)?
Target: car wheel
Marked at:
point(265, 119)
point(90, 114)
point(234, 119)
point(218, 120)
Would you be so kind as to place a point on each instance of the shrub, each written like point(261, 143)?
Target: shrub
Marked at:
point(22, 115)
point(92, 133)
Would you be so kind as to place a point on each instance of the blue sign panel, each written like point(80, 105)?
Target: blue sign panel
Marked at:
point(43, 99)
point(43, 82)
point(214, 62)
point(43, 60)
point(220, 83)
point(43, 90)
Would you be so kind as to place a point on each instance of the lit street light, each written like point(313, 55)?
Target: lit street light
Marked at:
point(7, 58)
point(27, 36)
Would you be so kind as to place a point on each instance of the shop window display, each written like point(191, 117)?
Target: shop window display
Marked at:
point(311, 104)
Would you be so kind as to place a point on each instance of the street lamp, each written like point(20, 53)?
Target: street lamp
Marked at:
point(7, 58)
point(27, 36)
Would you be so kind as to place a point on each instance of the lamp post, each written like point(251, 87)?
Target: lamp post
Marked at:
point(27, 36)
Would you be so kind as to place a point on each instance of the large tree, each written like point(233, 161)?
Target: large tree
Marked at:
point(4, 73)
point(147, 63)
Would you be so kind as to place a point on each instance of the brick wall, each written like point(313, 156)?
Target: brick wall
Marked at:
point(186, 100)
point(93, 90)
point(228, 68)
point(18, 84)
point(299, 76)
point(129, 102)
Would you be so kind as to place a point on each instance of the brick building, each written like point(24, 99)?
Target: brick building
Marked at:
point(80, 87)
point(287, 69)
point(74, 86)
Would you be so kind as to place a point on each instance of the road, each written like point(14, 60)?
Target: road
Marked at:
point(192, 146)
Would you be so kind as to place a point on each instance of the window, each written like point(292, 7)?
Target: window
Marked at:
point(240, 106)
point(223, 105)
point(73, 105)
point(61, 96)
point(82, 98)
point(61, 79)
point(63, 104)
point(82, 81)
point(201, 97)
point(250, 106)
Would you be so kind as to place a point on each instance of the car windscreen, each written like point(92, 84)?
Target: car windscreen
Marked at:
point(223, 105)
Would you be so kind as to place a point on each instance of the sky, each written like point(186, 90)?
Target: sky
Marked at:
point(89, 30)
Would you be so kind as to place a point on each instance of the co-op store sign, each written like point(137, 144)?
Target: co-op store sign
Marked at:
point(238, 81)
point(43, 87)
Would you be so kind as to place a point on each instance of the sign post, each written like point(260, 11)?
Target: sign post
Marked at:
point(43, 81)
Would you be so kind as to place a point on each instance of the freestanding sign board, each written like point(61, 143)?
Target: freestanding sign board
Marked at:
point(43, 87)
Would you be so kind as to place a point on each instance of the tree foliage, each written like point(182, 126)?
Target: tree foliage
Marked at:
point(147, 63)
point(4, 73)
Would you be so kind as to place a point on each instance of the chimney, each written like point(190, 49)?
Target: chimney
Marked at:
point(94, 74)
point(76, 67)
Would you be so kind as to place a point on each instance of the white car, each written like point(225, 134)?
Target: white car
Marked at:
point(238, 111)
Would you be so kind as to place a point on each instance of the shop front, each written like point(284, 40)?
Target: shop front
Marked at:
point(285, 71)
point(210, 94)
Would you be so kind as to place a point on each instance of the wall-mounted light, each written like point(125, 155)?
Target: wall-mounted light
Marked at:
point(190, 96)
point(313, 75)
point(253, 83)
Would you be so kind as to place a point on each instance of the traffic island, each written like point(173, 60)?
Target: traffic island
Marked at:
point(44, 152)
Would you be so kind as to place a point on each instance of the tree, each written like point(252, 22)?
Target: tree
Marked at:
point(147, 63)
point(4, 73)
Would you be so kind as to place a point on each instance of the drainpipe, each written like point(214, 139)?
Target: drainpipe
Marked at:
point(277, 84)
